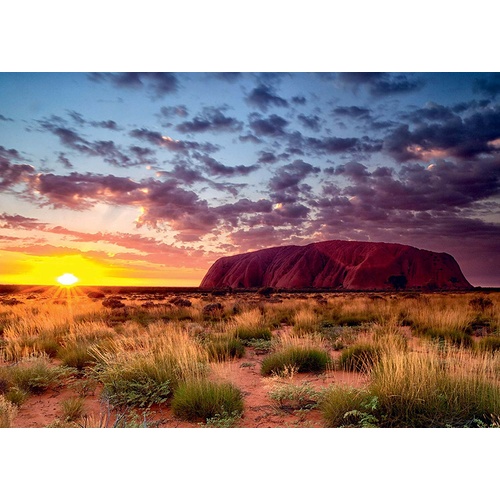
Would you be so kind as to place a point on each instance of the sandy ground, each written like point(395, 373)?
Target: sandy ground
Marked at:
point(259, 409)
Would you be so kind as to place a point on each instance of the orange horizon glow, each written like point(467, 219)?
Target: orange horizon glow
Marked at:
point(23, 269)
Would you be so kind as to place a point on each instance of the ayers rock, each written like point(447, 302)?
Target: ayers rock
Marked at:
point(348, 265)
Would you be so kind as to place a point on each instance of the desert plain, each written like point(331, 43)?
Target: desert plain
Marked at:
point(78, 357)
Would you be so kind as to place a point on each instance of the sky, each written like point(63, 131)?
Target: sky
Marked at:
point(147, 178)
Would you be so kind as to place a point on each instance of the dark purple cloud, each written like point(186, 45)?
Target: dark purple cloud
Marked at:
point(264, 96)
point(210, 120)
point(312, 122)
point(12, 172)
point(216, 168)
point(466, 137)
point(179, 111)
point(273, 126)
point(354, 112)
point(81, 191)
point(107, 150)
point(157, 84)
point(286, 184)
point(382, 84)
point(174, 145)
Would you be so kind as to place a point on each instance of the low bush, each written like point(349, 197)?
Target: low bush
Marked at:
point(204, 399)
point(295, 397)
point(301, 359)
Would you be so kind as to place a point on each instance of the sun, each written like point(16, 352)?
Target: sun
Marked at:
point(67, 279)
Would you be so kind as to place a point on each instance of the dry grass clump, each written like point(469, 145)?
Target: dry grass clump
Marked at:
point(223, 346)
point(300, 353)
point(8, 412)
point(164, 356)
point(34, 375)
point(434, 388)
point(250, 325)
point(201, 399)
point(305, 321)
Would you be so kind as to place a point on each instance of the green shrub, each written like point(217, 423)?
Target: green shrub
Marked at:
point(223, 420)
point(295, 397)
point(359, 357)
point(301, 359)
point(204, 399)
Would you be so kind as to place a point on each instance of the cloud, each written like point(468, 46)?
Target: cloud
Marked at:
point(488, 84)
point(107, 150)
point(11, 172)
point(174, 145)
point(214, 167)
point(156, 84)
point(339, 145)
point(16, 221)
point(450, 135)
point(285, 185)
point(5, 119)
point(210, 120)
point(381, 84)
point(174, 111)
point(263, 97)
point(81, 191)
point(354, 112)
point(312, 122)
point(273, 125)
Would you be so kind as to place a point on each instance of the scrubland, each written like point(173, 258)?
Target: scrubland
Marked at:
point(79, 358)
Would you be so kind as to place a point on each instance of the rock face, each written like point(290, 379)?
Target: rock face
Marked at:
point(349, 265)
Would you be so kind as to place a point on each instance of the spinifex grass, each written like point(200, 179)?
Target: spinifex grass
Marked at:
point(34, 375)
point(305, 321)
point(250, 325)
point(302, 353)
point(146, 372)
point(454, 388)
point(204, 399)
point(223, 347)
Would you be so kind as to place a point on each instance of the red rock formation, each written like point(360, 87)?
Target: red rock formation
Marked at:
point(350, 265)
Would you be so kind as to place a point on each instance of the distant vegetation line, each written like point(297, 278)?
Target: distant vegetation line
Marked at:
point(6, 289)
